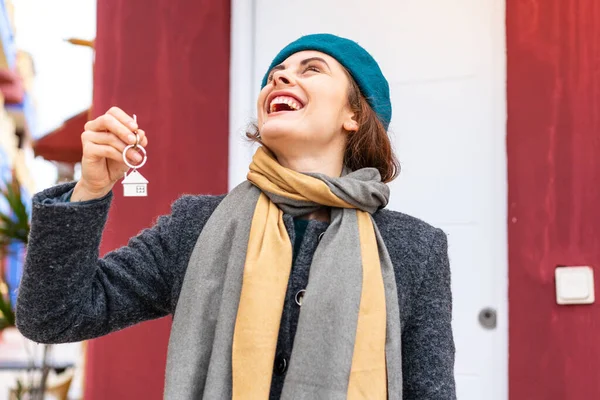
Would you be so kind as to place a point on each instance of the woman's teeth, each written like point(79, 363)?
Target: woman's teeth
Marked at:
point(277, 102)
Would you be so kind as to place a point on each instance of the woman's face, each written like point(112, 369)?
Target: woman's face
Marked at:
point(305, 104)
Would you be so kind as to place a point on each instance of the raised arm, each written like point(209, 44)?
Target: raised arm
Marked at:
point(70, 294)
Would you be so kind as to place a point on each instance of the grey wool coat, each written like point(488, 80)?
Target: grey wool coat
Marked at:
point(69, 294)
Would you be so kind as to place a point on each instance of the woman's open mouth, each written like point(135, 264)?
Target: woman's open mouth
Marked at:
point(284, 103)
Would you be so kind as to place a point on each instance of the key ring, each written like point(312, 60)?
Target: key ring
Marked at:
point(135, 146)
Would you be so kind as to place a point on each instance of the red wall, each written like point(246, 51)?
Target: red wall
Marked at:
point(168, 62)
point(554, 195)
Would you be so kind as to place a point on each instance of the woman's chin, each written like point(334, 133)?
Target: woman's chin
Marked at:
point(279, 129)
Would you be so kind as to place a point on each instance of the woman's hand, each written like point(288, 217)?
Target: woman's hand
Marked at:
point(102, 164)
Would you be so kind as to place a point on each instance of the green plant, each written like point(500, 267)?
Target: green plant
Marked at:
point(14, 227)
point(7, 315)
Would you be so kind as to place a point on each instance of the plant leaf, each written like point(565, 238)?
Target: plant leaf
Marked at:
point(8, 315)
point(15, 225)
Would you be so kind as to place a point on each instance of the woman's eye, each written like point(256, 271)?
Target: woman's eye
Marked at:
point(312, 68)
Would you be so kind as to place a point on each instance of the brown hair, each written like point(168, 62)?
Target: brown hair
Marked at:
point(369, 146)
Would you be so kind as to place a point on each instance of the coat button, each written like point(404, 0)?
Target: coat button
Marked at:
point(320, 236)
point(300, 296)
point(280, 365)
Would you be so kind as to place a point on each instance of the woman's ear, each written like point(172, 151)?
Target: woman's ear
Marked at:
point(350, 125)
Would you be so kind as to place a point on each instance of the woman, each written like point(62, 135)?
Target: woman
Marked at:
point(307, 232)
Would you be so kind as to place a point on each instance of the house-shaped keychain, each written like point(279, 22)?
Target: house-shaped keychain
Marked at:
point(135, 184)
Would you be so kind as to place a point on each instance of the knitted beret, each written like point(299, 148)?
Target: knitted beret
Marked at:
point(360, 64)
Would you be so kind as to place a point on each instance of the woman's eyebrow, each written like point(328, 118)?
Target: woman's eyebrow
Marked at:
point(302, 63)
point(308, 60)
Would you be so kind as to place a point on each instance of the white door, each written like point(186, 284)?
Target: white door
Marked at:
point(445, 64)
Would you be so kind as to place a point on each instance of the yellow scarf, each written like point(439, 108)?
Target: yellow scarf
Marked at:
point(265, 280)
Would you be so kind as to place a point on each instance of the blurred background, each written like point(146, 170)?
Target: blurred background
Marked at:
point(496, 124)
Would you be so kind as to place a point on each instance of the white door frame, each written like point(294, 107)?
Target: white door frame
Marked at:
point(242, 104)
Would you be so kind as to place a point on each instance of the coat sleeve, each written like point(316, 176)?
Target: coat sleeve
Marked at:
point(428, 343)
point(68, 293)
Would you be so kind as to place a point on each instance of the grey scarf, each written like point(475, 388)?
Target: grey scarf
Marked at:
point(199, 363)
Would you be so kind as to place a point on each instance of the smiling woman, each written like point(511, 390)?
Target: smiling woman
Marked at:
point(366, 142)
point(298, 284)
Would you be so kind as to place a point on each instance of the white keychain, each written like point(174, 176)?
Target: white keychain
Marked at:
point(134, 184)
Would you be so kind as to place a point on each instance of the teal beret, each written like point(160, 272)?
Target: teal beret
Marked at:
point(360, 64)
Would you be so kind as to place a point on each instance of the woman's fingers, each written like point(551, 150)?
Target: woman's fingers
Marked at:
point(94, 150)
point(143, 138)
point(118, 122)
point(118, 128)
point(109, 139)
point(105, 138)
point(108, 122)
point(115, 130)
point(123, 118)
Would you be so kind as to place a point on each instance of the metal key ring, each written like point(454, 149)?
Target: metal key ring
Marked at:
point(131, 146)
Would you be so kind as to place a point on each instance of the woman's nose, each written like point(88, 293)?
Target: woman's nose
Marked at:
point(281, 77)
